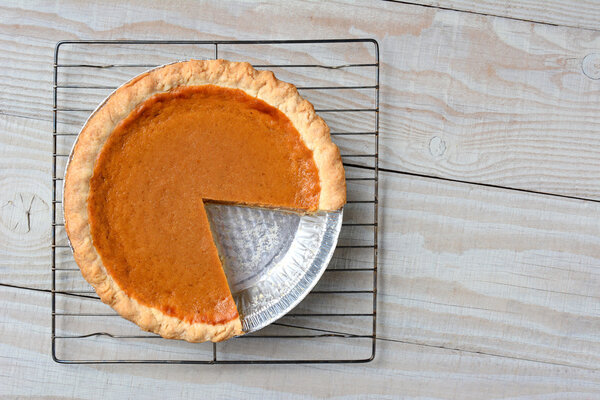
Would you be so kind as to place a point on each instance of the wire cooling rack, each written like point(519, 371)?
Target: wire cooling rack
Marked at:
point(336, 322)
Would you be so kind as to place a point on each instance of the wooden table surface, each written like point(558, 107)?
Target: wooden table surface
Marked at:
point(489, 226)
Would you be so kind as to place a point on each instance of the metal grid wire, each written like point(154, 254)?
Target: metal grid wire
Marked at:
point(75, 304)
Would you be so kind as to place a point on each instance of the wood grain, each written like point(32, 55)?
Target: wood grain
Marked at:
point(489, 270)
point(402, 370)
point(483, 292)
point(493, 101)
point(580, 13)
point(461, 267)
point(468, 97)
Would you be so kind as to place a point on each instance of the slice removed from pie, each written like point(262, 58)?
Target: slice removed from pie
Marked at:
point(154, 152)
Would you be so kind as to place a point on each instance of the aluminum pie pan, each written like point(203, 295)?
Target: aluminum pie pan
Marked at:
point(272, 258)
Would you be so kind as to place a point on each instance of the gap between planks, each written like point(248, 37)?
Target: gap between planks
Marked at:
point(489, 185)
point(485, 14)
point(379, 338)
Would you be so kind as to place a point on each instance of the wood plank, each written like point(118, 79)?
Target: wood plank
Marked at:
point(493, 101)
point(465, 267)
point(33, 153)
point(580, 13)
point(401, 370)
point(463, 96)
point(473, 280)
point(25, 201)
point(490, 270)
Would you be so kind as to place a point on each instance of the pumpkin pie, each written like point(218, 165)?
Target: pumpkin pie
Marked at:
point(154, 153)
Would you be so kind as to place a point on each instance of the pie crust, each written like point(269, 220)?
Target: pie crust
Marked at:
point(260, 84)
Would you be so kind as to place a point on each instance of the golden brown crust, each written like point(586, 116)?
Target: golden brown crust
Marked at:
point(260, 84)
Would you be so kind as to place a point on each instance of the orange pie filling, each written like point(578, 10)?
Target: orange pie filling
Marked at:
point(172, 153)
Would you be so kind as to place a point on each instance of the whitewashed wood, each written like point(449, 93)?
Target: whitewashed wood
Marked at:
point(402, 370)
point(490, 270)
point(457, 260)
point(25, 201)
point(575, 13)
point(495, 101)
point(464, 96)
point(462, 267)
